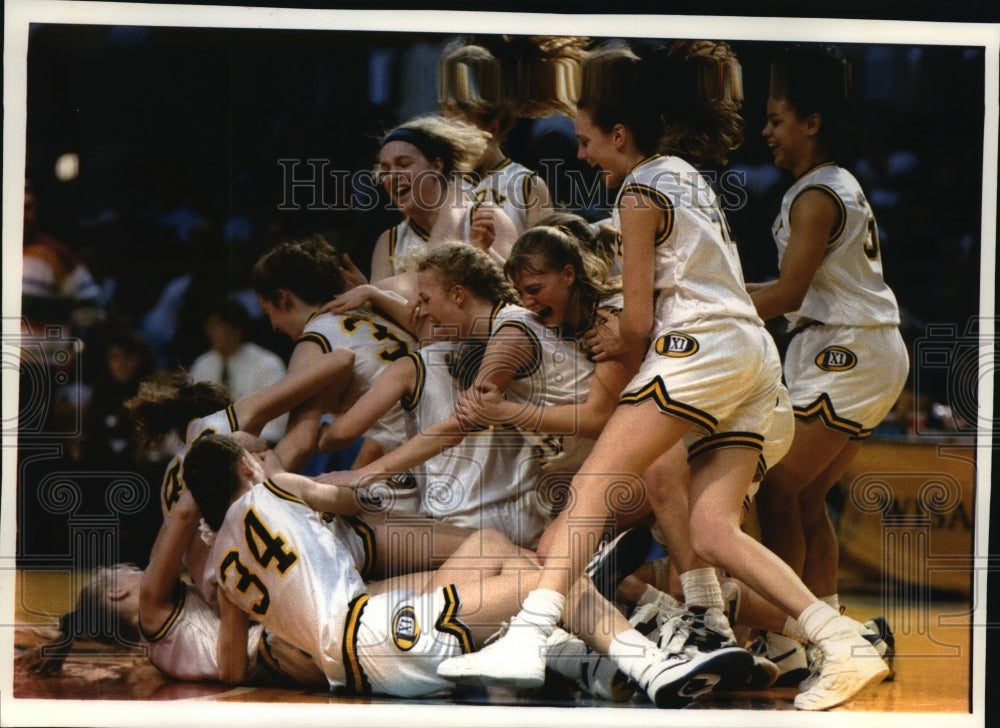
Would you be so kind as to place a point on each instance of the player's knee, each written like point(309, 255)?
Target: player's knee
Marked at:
point(711, 534)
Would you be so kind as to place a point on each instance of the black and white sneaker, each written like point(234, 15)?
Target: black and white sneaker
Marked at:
point(788, 654)
point(616, 559)
point(677, 679)
point(701, 630)
point(596, 675)
point(878, 633)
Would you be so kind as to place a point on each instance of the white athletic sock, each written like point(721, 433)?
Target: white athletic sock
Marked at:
point(541, 609)
point(815, 617)
point(833, 600)
point(702, 589)
point(794, 630)
point(632, 652)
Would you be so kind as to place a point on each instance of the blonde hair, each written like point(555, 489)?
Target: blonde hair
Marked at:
point(459, 144)
point(460, 264)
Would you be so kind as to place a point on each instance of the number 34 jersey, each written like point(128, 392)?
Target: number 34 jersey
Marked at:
point(281, 563)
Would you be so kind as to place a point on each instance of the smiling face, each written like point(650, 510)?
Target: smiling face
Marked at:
point(545, 292)
point(597, 148)
point(788, 136)
point(413, 183)
point(438, 309)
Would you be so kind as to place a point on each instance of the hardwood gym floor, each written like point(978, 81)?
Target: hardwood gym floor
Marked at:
point(933, 668)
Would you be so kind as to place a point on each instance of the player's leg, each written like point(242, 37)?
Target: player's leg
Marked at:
point(821, 557)
point(813, 448)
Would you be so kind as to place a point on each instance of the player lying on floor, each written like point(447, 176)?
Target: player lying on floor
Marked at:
point(277, 562)
point(167, 617)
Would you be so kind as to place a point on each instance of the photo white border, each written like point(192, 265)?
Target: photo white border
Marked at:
point(17, 16)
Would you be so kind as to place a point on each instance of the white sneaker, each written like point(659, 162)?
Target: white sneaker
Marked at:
point(516, 660)
point(593, 673)
point(788, 655)
point(873, 630)
point(850, 664)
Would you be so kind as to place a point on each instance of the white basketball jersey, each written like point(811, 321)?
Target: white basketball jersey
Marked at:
point(186, 645)
point(508, 186)
point(405, 240)
point(376, 341)
point(222, 422)
point(278, 560)
point(698, 272)
point(848, 287)
point(408, 241)
point(459, 482)
point(561, 374)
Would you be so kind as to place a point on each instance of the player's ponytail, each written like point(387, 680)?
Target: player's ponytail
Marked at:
point(702, 86)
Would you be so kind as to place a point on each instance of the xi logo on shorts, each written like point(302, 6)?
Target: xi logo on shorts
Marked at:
point(405, 628)
point(836, 359)
point(676, 344)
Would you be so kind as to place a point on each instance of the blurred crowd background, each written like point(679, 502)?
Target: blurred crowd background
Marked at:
point(161, 162)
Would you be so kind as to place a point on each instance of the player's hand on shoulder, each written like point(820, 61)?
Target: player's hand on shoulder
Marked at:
point(604, 340)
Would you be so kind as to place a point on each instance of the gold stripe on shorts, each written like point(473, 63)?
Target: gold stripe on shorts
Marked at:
point(823, 409)
point(447, 622)
point(355, 676)
point(657, 391)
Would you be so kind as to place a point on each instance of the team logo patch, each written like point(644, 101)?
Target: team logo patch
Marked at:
point(676, 344)
point(405, 628)
point(836, 359)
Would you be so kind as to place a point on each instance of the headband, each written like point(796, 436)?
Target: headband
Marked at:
point(430, 147)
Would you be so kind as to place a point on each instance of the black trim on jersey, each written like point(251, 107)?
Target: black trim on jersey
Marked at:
point(234, 423)
point(830, 163)
point(280, 492)
point(841, 223)
point(409, 401)
point(536, 360)
point(424, 235)
point(660, 200)
point(180, 598)
point(526, 185)
point(268, 662)
point(368, 542)
point(357, 681)
point(316, 338)
point(392, 244)
point(449, 623)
